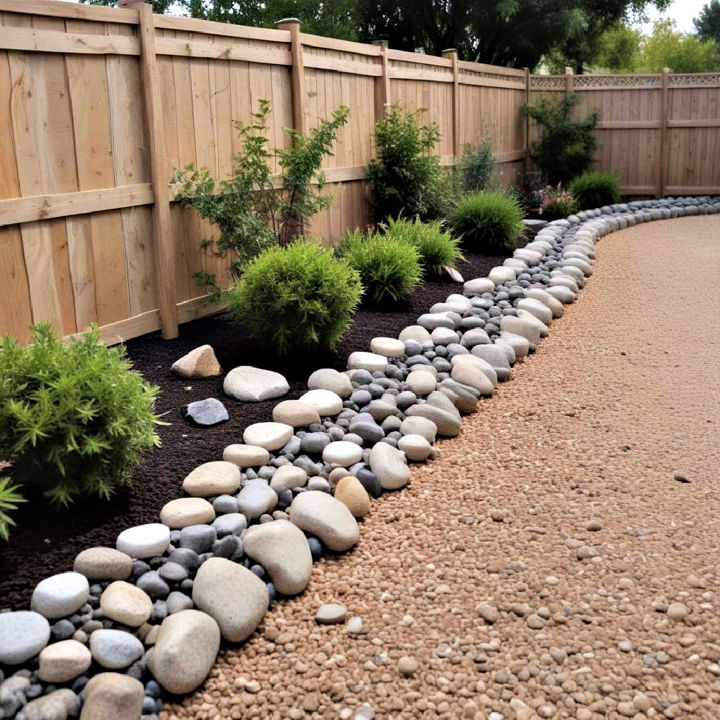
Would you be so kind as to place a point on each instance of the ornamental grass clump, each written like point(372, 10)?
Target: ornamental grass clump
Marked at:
point(298, 297)
point(595, 189)
point(74, 417)
point(437, 248)
point(389, 267)
point(488, 221)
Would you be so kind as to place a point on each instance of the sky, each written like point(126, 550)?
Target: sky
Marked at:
point(682, 11)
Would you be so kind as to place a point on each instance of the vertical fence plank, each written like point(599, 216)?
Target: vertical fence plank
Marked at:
point(526, 123)
point(664, 135)
point(452, 54)
point(159, 171)
point(297, 73)
point(382, 84)
point(569, 80)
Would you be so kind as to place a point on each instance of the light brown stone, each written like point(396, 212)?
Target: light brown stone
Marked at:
point(351, 493)
point(198, 363)
point(126, 603)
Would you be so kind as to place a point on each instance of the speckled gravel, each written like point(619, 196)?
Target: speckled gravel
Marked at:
point(550, 563)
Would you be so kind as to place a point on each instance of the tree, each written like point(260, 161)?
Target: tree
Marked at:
point(707, 23)
point(618, 49)
point(681, 52)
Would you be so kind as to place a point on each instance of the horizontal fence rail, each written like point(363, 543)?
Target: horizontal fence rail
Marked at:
point(99, 105)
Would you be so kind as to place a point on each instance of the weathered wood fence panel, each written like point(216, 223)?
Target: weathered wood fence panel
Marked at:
point(99, 105)
point(659, 133)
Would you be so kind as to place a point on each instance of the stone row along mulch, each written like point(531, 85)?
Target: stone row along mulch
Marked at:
point(472, 571)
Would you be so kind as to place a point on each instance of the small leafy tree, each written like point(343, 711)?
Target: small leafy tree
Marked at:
point(251, 210)
point(407, 178)
point(477, 167)
point(707, 23)
point(681, 52)
point(566, 145)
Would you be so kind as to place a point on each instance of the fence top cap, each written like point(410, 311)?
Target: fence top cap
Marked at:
point(288, 21)
point(449, 50)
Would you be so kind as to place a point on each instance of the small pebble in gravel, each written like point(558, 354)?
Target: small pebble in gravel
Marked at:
point(330, 614)
point(407, 665)
point(680, 478)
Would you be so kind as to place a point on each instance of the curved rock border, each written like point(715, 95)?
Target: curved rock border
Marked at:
point(148, 616)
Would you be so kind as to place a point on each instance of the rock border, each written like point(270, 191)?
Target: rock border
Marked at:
point(147, 617)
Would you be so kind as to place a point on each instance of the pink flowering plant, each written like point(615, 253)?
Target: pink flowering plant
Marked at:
point(554, 202)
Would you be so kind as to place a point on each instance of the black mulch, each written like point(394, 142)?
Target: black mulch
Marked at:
point(46, 540)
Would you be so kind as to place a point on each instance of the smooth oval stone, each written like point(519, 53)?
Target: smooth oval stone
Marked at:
point(269, 435)
point(60, 595)
point(182, 512)
point(448, 424)
point(296, 413)
point(218, 477)
point(324, 516)
point(371, 362)
point(501, 274)
point(56, 705)
point(112, 696)
point(541, 311)
point(496, 357)
point(415, 447)
point(556, 307)
point(230, 524)
point(478, 286)
point(23, 634)
point(524, 328)
point(473, 376)
point(419, 426)
point(475, 336)
point(256, 498)
point(325, 402)
point(115, 649)
point(444, 336)
point(185, 650)
point(389, 466)
point(389, 347)
point(519, 344)
point(416, 333)
point(563, 294)
point(126, 604)
point(63, 661)
point(282, 549)
point(351, 493)
point(476, 361)
point(231, 594)
point(342, 453)
point(245, 456)
point(252, 384)
point(421, 382)
point(288, 476)
point(331, 379)
point(103, 563)
point(532, 319)
point(144, 541)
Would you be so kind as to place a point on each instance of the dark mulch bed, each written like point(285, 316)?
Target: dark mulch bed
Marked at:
point(46, 540)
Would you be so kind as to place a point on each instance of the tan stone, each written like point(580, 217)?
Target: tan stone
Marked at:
point(296, 413)
point(126, 603)
point(198, 363)
point(112, 695)
point(63, 661)
point(103, 563)
point(351, 493)
point(218, 477)
point(182, 512)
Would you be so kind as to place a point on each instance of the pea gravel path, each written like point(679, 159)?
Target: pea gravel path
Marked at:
point(577, 455)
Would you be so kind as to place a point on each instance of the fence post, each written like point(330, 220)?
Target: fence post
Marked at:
point(163, 249)
point(297, 72)
point(527, 120)
point(452, 54)
point(569, 79)
point(664, 137)
point(382, 86)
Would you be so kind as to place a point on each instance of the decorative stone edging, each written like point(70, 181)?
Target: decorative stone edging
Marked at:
point(253, 523)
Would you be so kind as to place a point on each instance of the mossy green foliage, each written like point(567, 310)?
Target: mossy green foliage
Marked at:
point(251, 210)
point(437, 248)
point(297, 297)
point(407, 178)
point(477, 167)
point(595, 189)
point(389, 267)
point(74, 417)
point(566, 145)
point(488, 221)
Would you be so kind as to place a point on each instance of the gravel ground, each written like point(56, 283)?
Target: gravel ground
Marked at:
point(604, 447)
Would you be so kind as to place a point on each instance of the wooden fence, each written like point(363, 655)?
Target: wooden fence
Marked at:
point(659, 133)
point(98, 105)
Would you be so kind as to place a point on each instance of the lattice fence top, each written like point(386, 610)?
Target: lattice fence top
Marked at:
point(616, 81)
point(518, 80)
point(547, 82)
point(697, 79)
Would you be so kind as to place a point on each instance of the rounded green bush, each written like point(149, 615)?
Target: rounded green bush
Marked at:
point(595, 189)
point(389, 267)
point(74, 416)
point(488, 221)
point(437, 248)
point(296, 297)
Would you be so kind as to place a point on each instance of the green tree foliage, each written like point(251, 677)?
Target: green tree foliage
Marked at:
point(488, 221)
point(566, 144)
point(74, 416)
point(250, 211)
point(681, 52)
point(389, 266)
point(298, 297)
point(618, 50)
point(707, 23)
point(407, 178)
point(477, 167)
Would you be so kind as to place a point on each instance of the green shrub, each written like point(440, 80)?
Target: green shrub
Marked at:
point(296, 297)
point(595, 189)
point(10, 498)
point(566, 145)
point(437, 248)
point(250, 210)
point(553, 203)
point(477, 167)
point(74, 416)
point(488, 221)
point(389, 267)
point(407, 178)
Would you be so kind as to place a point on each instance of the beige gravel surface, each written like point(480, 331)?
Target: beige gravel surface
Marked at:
point(469, 580)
